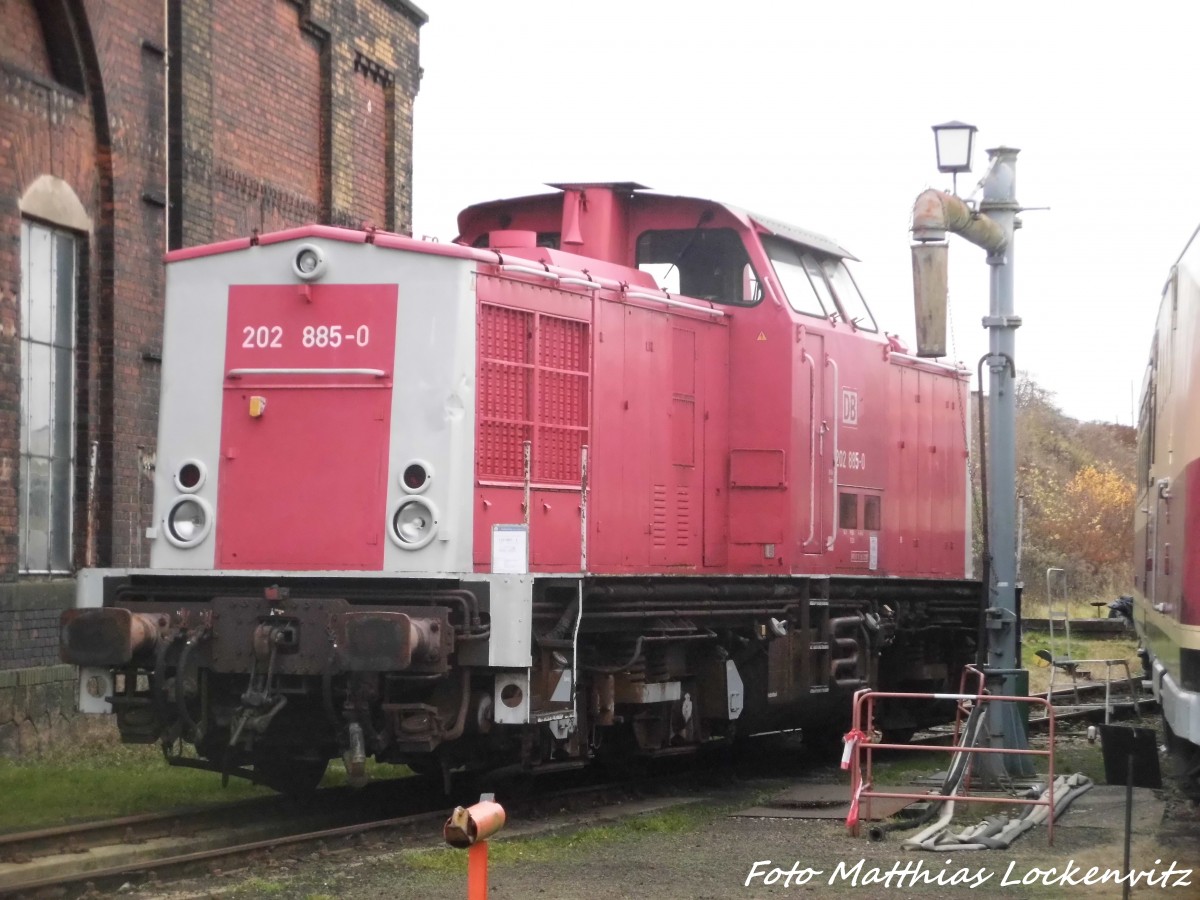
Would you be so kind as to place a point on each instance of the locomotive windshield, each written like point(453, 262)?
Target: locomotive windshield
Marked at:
point(705, 263)
point(817, 284)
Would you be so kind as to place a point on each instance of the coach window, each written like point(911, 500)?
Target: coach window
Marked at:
point(705, 263)
point(787, 259)
point(47, 346)
point(1146, 419)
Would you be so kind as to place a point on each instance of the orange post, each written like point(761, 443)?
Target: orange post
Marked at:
point(477, 871)
point(469, 828)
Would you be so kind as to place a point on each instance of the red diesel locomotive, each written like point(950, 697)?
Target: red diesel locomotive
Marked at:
point(613, 473)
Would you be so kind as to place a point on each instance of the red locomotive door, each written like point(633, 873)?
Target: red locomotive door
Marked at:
point(304, 427)
point(678, 511)
point(813, 475)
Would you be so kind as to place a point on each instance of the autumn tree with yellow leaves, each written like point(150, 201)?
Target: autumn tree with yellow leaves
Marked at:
point(1075, 485)
point(1088, 520)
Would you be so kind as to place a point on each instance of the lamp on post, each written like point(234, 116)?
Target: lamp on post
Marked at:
point(954, 142)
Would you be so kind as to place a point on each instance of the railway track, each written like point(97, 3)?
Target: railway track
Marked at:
point(1089, 706)
point(102, 863)
point(100, 856)
point(104, 854)
point(1091, 701)
point(99, 852)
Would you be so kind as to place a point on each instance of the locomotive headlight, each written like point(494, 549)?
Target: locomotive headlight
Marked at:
point(188, 521)
point(414, 523)
point(309, 263)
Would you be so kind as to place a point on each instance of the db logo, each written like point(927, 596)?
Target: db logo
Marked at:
point(849, 407)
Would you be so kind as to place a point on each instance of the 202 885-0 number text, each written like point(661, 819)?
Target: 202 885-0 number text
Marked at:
point(269, 337)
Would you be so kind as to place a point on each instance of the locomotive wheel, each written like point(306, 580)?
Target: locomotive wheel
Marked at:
point(295, 776)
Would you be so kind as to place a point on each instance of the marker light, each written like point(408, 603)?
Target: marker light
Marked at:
point(190, 476)
point(187, 522)
point(416, 476)
point(414, 524)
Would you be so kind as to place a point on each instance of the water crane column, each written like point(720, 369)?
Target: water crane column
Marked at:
point(934, 214)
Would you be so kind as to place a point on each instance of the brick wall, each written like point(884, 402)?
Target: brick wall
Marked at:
point(46, 128)
point(19, 23)
point(31, 609)
point(37, 709)
point(272, 114)
point(330, 86)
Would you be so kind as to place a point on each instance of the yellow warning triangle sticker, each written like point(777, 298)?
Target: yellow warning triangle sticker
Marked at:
point(761, 336)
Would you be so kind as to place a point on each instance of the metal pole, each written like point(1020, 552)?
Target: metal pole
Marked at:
point(1128, 823)
point(477, 871)
point(1000, 205)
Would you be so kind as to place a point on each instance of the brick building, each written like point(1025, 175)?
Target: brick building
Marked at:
point(122, 134)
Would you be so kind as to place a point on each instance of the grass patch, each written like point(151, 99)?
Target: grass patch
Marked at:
point(100, 778)
point(901, 767)
point(1076, 607)
point(257, 887)
point(1076, 756)
point(563, 846)
point(335, 775)
point(104, 780)
point(1124, 647)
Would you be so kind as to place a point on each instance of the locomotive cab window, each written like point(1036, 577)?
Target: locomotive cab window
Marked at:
point(802, 295)
point(817, 284)
point(849, 300)
point(705, 263)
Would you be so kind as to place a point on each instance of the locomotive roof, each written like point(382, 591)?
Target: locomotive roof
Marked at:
point(750, 219)
point(793, 233)
point(765, 223)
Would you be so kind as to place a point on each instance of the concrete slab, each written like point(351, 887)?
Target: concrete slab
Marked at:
point(1104, 807)
point(882, 808)
point(820, 801)
point(1101, 807)
point(812, 795)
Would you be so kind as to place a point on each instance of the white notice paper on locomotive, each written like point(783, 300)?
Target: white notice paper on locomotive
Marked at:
point(510, 549)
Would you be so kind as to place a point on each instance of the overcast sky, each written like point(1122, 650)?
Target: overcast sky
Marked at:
point(819, 114)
